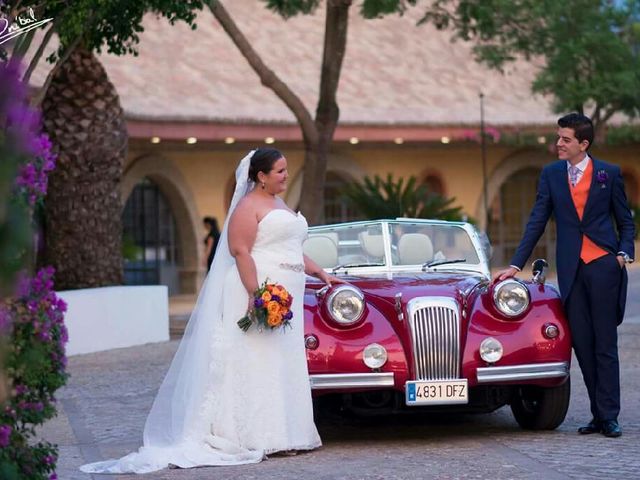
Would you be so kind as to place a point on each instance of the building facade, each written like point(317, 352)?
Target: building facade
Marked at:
point(410, 105)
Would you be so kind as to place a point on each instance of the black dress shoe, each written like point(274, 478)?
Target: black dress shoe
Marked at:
point(593, 426)
point(610, 428)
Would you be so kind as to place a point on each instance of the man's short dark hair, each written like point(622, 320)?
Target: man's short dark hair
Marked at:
point(581, 125)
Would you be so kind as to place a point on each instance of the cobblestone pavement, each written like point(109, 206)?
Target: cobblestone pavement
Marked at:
point(104, 406)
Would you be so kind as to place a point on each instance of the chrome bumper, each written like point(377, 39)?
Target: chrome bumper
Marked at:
point(351, 380)
point(532, 371)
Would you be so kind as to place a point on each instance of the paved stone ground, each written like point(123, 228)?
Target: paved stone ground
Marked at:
point(104, 406)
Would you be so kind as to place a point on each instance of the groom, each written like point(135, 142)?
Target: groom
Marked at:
point(586, 196)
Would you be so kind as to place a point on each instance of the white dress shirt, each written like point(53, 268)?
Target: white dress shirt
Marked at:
point(581, 166)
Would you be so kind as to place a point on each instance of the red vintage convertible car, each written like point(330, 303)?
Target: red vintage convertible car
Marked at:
point(421, 326)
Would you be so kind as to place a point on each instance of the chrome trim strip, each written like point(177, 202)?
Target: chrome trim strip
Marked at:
point(351, 380)
point(531, 371)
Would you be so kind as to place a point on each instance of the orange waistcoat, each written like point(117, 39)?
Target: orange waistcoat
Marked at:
point(590, 251)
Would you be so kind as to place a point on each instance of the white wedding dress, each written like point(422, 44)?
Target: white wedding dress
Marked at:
point(232, 397)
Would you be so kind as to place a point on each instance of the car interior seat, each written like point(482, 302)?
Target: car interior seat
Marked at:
point(414, 249)
point(321, 249)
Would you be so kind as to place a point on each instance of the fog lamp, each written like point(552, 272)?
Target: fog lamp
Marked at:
point(311, 342)
point(550, 330)
point(491, 350)
point(374, 355)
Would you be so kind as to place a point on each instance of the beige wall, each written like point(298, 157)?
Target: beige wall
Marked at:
point(203, 175)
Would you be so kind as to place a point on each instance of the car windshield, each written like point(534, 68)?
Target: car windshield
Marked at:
point(419, 244)
point(430, 244)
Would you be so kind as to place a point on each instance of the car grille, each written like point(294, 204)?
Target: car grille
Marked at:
point(435, 333)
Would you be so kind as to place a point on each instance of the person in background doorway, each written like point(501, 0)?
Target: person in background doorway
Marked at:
point(211, 240)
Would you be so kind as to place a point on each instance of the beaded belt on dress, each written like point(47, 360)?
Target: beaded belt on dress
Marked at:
point(296, 267)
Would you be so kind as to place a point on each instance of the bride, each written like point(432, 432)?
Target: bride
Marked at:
point(232, 397)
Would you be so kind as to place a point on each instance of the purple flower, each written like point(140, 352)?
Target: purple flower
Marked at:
point(601, 178)
point(258, 303)
point(5, 434)
point(53, 476)
point(5, 318)
point(61, 305)
point(288, 315)
point(44, 336)
point(21, 389)
point(64, 334)
point(275, 298)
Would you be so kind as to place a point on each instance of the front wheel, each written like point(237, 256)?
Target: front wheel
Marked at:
point(540, 408)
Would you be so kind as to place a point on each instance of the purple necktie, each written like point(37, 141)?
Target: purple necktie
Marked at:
point(573, 175)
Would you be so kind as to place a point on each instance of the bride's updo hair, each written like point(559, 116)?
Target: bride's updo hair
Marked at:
point(262, 160)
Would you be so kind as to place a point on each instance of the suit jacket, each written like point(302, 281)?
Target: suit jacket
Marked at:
point(606, 220)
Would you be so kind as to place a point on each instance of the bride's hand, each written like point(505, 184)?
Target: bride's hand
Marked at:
point(328, 278)
point(250, 303)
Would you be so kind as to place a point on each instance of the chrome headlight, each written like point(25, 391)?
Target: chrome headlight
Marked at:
point(511, 297)
point(345, 304)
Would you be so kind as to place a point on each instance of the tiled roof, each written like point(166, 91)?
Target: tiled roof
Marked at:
point(394, 72)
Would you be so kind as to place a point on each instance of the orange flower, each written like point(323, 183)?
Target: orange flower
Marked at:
point(274, 320)
point(266, 296)
point(273, 308)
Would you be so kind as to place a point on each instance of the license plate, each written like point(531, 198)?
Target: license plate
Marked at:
point(437, 392)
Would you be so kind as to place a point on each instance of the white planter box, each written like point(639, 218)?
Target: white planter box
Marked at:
point(115, 317)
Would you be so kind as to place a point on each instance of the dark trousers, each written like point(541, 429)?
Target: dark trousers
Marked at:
point(592, 312)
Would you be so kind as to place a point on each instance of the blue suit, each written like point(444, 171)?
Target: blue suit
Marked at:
point(593, 294)
point(604, 205)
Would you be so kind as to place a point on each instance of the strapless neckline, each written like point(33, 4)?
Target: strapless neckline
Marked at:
point(288, 212)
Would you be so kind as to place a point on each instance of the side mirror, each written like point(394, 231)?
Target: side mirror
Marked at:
point(539, 270)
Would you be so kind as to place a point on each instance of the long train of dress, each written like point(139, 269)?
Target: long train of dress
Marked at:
point(257, 399)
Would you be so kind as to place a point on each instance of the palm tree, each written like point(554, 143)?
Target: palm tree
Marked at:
point(378, 198)
point(83, 117)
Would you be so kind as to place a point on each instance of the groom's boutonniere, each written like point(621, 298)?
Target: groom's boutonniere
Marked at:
point(601, 178)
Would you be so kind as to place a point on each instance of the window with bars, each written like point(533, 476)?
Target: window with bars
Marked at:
point(150, 238)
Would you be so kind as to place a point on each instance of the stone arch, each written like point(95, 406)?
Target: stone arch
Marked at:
point(164, 173)
point(514, 162)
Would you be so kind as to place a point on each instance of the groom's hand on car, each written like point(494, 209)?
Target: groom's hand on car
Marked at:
point(504, 274)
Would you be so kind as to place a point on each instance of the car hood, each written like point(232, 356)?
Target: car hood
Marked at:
point(412, 285)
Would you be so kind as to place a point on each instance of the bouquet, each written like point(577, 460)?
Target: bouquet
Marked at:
point(271, 308)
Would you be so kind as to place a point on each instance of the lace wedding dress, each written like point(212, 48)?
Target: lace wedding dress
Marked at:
point(232, 397)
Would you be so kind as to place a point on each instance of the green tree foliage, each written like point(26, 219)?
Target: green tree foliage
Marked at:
point(389, 198)
point(114, 24)
point(590, 48)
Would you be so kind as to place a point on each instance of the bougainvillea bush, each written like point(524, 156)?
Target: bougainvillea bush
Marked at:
point(32, 357)
point(35, 364)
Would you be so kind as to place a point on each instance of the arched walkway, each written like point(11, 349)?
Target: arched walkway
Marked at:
point(340, 170)
point(175, 189)
point(511, 191)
